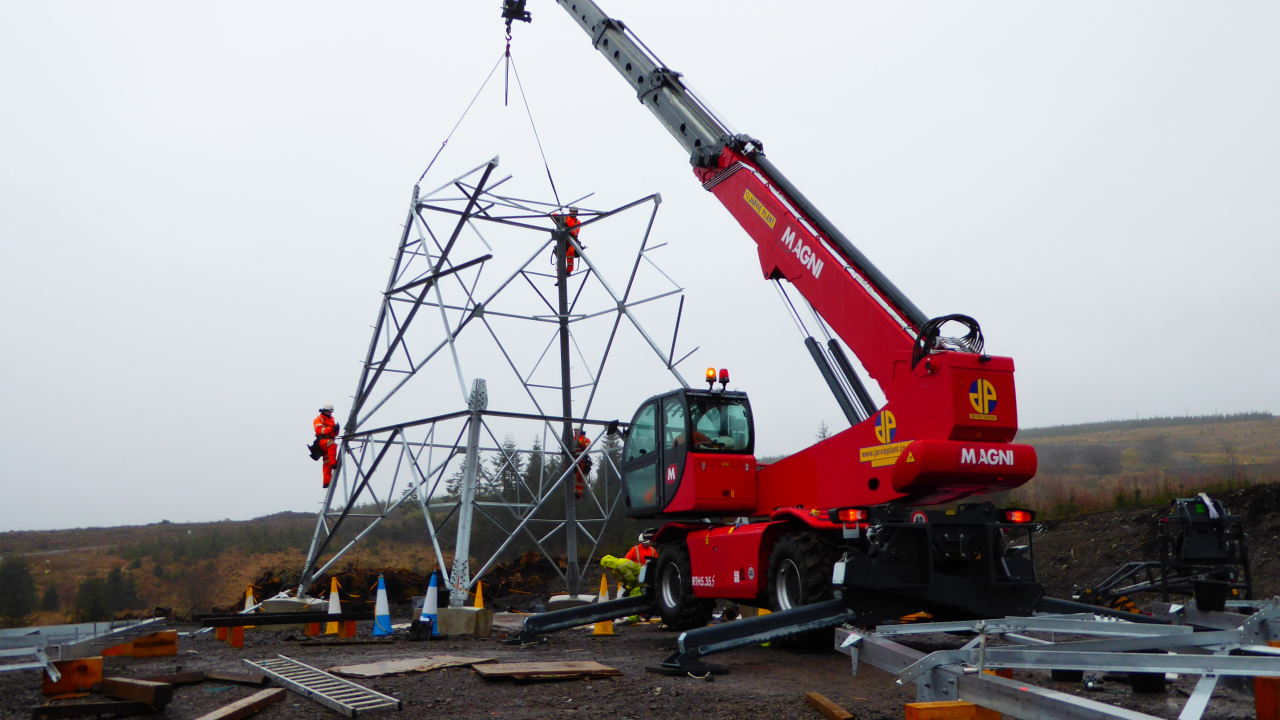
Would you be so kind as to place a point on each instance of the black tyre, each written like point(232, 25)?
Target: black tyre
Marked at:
point(679, 608)
point(800, 571)
point(800, 574)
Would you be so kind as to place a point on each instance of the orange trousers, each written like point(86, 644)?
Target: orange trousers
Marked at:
point(330, 460)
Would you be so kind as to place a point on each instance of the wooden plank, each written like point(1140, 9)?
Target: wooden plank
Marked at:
point(247, 706)
point(949, 710)
point(186, 678)
point(826, 707)
point(156, 644)
point(407, 665)
point(152, 693)
point(1266, 693)
point(77, 675)
point(93, 708)
point(546, 669)
point(236, 677)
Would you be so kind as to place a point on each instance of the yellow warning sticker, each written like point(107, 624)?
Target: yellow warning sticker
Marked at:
point(882, 455)
point(910, 458)
point(980, 416)
point(760, 209)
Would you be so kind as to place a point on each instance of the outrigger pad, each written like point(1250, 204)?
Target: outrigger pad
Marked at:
point(694, 670)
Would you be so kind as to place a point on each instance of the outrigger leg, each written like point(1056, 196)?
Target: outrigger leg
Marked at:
point(536, 625)
point(712, 639)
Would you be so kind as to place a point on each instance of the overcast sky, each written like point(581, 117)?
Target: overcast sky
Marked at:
point(198, 204)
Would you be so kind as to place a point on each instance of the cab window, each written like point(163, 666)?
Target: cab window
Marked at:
point(673, 425)
point(642, 438)
point(719, 425)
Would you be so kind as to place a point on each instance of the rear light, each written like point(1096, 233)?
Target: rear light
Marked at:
point(724, 376)
point(850, 515)
point(1019, 516)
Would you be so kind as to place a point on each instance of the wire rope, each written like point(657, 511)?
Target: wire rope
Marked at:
point(464, 115)
point(525, 99)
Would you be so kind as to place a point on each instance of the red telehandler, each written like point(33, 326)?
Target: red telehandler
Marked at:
point(835, 533)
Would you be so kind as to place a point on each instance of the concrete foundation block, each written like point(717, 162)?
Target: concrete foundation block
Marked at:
point(466, 621)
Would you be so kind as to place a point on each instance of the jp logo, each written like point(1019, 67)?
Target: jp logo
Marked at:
point(982, 396)
point(886, 427)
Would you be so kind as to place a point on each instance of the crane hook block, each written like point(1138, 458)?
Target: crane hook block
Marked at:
point(513, 10)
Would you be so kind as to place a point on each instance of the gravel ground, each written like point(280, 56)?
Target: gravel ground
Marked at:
point(762, 682)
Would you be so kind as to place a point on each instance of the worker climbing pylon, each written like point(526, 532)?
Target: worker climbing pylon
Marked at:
point(583, 466)
point(326, 441)
point(569, 223)
point(571, 253)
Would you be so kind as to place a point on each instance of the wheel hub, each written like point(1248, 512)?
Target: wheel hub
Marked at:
point(670, 586)
point(788, 593)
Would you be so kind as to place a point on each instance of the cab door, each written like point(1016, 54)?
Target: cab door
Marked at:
point(675, 446)
point(640, 460)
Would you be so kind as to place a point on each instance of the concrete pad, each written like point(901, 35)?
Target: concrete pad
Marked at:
point(282, 605)
point(560, 602)
point(466, 621)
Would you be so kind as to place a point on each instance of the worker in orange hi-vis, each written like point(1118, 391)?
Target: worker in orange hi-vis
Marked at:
point(641, 553)
point(583, 465)
point(571, 253)
point(568, 222)
point(327, 440)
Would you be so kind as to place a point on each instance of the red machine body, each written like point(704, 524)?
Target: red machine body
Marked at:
point(945, 433)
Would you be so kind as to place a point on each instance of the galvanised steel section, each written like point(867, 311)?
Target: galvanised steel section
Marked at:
point(439, 304)
point(1236, 649)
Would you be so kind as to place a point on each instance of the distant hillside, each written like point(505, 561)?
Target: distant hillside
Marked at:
point(1137, 424)
point(1083, 468)
point(1100, 466)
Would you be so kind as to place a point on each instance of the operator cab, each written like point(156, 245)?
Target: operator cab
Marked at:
point(690, 453)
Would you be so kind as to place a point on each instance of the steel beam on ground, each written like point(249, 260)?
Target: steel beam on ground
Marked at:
point(1016, 699)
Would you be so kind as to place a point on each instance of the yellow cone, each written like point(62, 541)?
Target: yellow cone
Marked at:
point(620, 591)
point(335, 608)
point(479, 594)
point(248, 602)
point(604, 627)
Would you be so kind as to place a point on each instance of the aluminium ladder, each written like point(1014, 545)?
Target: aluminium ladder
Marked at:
point(344, 696)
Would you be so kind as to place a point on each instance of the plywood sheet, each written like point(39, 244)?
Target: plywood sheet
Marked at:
point(407, 665)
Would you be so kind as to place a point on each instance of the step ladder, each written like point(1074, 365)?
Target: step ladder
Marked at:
point(344, 696)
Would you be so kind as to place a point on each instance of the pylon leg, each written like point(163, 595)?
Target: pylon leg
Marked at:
point(220, 633)
point(237, 637)
point(348, 629)
point(313, 629)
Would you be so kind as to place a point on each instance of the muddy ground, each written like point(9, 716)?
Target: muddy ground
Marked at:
point(762, 683)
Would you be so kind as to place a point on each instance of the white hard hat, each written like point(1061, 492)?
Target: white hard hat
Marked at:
point(327, 407)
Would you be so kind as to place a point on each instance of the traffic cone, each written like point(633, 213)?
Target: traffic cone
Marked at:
point(381, 611)
point(604, 627)
point(335, 608)
point(430, 607)
point(248, 601)
point(621, 592)
point(479, 595)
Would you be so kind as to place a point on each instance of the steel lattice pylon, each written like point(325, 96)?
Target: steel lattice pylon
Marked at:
point(390, 453)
